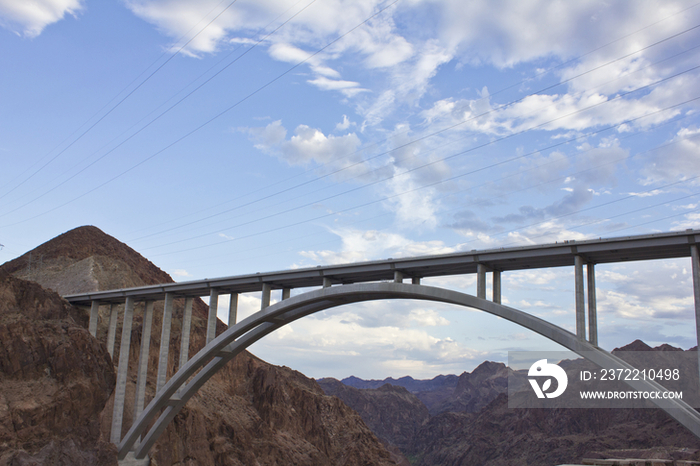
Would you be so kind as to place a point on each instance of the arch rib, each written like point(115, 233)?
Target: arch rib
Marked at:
point(226, 346)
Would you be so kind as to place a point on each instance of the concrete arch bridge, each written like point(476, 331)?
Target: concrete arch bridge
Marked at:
point(359, 282)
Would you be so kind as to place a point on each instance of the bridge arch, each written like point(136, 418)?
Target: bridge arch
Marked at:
point(210, 359)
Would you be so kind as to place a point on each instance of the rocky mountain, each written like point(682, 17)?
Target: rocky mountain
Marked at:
point(433, 393)
point(55, 379)
point(468, 392)
point(393, 413)
point(250, 413)
point(407, 382)
point(475, 389)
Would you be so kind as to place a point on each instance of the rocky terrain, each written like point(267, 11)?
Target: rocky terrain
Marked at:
point(393, 413)
point(250, 413)
point(55, 379)
point(433, 393)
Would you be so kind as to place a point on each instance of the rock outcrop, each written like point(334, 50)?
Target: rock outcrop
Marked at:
point(250, 413)
point(55, 379)
point(393, 413)
point(475, 389)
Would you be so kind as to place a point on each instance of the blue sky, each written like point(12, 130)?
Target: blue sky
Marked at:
point(221, 138)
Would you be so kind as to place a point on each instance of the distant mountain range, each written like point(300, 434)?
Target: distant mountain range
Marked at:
point(465, 420)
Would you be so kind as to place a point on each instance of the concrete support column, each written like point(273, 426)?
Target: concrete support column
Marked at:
point(211, 319)
point(398, 277)
point(165, 341)
point(497, 286)
point(112, 330)
point(286, 293)
point(580, 300)
point(143, 359)
point(481, 281)
point(120, 389)
point(185, 337)
point(326, 282)
point(94, 315)
point(266, 294)
point(592, 310)
point(415, 281)
point(695, 259)
point(233, 309)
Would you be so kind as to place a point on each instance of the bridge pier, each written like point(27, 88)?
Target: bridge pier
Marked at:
point(112, 330)
point(211, 319)
point(143, 359)
point(266, 295)
point(120, 389)
point(580, 301)
point(592, 309)
point(185, 337)
point(695, 259)
point(481, 270)
point(496, 298)
point(481, 281)
point(94, 316)
point(233, 309)
point(165, 341)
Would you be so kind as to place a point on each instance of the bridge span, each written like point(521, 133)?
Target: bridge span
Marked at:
point(357, 282)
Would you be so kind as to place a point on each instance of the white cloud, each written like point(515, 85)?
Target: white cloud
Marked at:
point(676, 161)
point(393, 348)
point(654, 290)
point(528, 278)
point(31, 17)
point(344, 125)
point(488, 32)
point(268, 137)
point(349, 88)
point(185, 21)
point(690, 221)
point(359, 245)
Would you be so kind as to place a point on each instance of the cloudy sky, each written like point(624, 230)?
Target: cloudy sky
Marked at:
point(221, 138)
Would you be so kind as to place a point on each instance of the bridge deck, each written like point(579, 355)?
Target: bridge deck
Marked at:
point(600, 251)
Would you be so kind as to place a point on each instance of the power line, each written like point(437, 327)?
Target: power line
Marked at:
point(153, 120)
point(217, 116)
point(286, 190)
point(268, 246)
point(422, 138)
point(480, 146)
point(120, 101)
point(366, 204)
